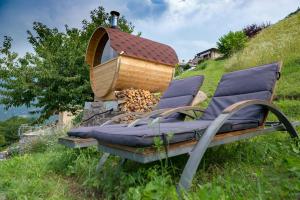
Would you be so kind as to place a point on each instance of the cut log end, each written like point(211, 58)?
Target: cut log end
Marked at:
point(135, 100)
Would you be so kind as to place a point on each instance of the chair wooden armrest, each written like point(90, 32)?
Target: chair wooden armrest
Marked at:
point(118, 117)
point(140, 115)
point(148, 116)
point(241, 104)
point(155, 112)
point(182, 110)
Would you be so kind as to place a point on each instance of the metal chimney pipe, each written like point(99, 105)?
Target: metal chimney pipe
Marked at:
point(114, 19)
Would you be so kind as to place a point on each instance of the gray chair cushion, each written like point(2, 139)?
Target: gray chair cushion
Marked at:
point(174, 102)
point(252, 83)
point(184, 87)
point(180, 93)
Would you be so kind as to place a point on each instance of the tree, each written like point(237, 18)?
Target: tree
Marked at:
point(55, 77)
point(232, 42)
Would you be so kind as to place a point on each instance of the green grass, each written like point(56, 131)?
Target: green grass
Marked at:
point(27, 177)
point(266, 167)
point(212, 71)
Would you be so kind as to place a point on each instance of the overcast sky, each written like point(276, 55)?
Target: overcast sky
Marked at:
point(189, 26)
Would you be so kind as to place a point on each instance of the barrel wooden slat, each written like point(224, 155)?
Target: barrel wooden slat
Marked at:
point(103, 77)
point(142, 74)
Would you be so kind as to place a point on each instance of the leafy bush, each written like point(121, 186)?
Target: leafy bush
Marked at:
point(232, 42)
point(9, 128)
point(2, 140)
point(201, 66)
point(253, 29)
point(181, 68)
point(78, 118)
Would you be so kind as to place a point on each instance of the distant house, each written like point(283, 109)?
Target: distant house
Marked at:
point(208, 54)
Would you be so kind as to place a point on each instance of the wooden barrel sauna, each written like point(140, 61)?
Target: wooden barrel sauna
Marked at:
point(119, 60)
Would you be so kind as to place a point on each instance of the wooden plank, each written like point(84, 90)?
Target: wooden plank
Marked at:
point(103, 77)
point(75, 142)
point(217, 138)
point(92, 45)
point(151, 150)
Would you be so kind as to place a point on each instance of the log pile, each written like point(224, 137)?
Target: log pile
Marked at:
point(135, 100)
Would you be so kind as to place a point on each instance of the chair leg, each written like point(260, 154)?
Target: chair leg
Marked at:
point(198, 152)
point(287, 124)
point(122, 162)
point(102, 161)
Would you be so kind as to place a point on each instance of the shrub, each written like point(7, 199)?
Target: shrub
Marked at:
point(253, 29)
point(181, 68)
point(232, 42)
point(9, 128)
point(2, 140)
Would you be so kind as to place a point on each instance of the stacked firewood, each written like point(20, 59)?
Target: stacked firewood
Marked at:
point(133, 101)
point(136, 100)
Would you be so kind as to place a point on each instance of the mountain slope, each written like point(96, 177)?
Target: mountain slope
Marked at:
point(6, 114)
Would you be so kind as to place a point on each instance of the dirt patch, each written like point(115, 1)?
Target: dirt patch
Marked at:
point(77, 191)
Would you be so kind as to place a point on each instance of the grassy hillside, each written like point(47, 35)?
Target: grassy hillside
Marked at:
point(212, 71)
point(280, 41)
point(266, 167)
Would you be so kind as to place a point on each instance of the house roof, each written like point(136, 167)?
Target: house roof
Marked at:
point(135, 46)
point(208, 50)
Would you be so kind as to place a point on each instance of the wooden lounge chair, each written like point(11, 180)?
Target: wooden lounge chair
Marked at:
point(238, 110)
point(181, 92)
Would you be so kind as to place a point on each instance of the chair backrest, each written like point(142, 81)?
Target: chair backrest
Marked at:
point(252, 83)
point(180, 93)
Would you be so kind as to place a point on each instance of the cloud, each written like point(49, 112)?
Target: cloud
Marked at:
point(189, 26)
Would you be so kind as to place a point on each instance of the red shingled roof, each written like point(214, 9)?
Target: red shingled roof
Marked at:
point(139, 47)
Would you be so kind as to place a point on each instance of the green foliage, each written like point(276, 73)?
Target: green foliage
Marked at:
point(158, 187)
point(9, 129)
point(201, 66)
point(27, 177)
point(78, 118)
point(55, 77)
point(207, 191)
point(181, 68)
point(232, 42)
point(2, 140)
point(280, 41)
